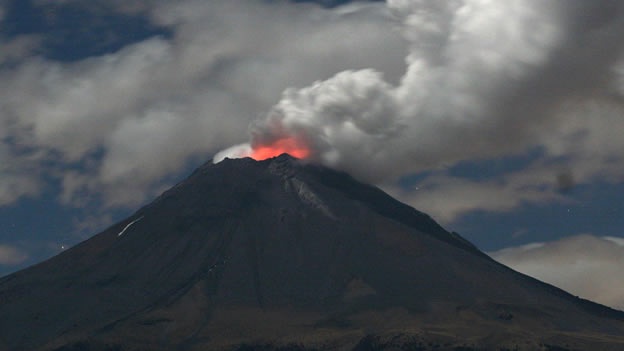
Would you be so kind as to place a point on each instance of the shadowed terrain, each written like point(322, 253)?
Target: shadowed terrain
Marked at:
point(285, 255)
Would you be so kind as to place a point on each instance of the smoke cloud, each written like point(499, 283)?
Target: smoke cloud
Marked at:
point(483, 79)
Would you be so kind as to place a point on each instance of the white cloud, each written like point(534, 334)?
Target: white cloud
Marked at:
point(619, 78)
point(15, 49)
point(584, 149)
point(11, 256)
point(589, 137)
point(92, 223)
point(17, 176)
point(153, 105)
point(446, 198)
point(585, 265)
point(14, 186)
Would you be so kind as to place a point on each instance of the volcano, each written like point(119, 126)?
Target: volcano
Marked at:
point(282, 254)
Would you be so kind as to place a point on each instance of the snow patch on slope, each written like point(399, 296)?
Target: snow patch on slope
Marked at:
point(308, 196)
point(129, 225)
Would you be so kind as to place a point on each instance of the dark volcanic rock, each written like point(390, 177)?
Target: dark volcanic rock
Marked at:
point(282, 255)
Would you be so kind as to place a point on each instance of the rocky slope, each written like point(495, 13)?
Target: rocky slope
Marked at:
point(280, 254)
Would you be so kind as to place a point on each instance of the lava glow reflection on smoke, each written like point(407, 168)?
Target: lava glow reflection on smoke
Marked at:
point(287, 145)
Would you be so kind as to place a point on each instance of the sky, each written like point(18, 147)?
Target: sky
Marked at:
point(502, 120)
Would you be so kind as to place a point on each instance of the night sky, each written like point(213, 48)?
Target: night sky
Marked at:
point(502, 120)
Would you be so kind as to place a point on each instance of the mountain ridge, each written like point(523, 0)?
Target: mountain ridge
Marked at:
point(285, 252)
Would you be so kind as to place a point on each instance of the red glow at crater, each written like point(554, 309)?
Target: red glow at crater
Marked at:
point(288, 145)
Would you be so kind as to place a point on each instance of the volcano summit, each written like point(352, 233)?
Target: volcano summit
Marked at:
point(282, 254)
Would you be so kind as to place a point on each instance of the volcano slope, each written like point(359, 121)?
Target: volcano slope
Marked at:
point(280, 254)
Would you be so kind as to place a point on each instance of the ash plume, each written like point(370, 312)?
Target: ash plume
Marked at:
point(482, 79)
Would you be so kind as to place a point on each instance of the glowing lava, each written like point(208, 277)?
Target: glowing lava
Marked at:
point(289, 145)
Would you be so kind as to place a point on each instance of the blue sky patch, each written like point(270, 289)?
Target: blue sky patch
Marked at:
point(74, 31)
